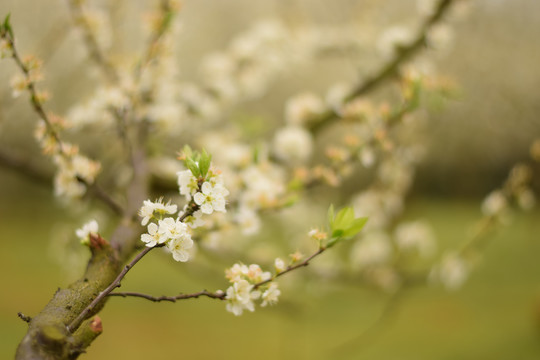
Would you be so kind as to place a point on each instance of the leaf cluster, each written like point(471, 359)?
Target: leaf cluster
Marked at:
point(197, 162)
point(343, 225)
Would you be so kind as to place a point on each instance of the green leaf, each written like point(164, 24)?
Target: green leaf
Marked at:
point(355, 228)
point(331, 217)
point(344, 218)
point(192, 166)
point(7, 25)
point(187, 152)
point(204, 163)
point(343, 225)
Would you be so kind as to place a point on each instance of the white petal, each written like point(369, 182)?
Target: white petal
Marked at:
point(152, 229)
point(182, 256)
point(199, 198)
point(206, 188)
point(206, 208)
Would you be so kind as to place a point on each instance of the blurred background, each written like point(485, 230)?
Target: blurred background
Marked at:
point(473, 142)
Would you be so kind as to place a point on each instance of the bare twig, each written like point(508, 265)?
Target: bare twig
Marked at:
point(293, 267)
point(23, 317)
point(102, 195)
point(220, 295)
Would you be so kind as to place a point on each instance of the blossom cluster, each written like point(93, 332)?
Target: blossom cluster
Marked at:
point(249, 283)
point(168, 231)
point(205, 193)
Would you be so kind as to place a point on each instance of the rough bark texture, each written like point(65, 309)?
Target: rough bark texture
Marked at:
point(48, 336)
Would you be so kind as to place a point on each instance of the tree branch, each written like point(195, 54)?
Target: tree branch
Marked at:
point(388, 70)
point(116, 283)
point(94, 50)
point(23, 166)
point(220, 295)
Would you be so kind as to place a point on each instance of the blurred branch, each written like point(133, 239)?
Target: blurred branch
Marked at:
point(168, 11)
point(388, 70)
point(38, 108)
point(24, 167)
point(94, 50)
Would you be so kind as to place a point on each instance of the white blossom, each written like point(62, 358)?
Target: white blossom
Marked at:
point(88, 229)
point(427, 7)
point(367, 156)
point(188, 183)
point(336, 95)
point(264, 182)
point(451, 272)
point(211, 198)
point(5, 49)
point(72, 168)
point(393, 38)
point(302, 108)
point(150, 207)
point(415, 235)
point(180, 246)
point(18, 84)
point(255, 274)
point(153, 237)
point(279, 265)
point(249, 221)
point(172, 228)
point(270, 296)
point(66, 184)
point(240, 297)
point(236, 273)
point(373, 249)
point(293, 144)
point(195, 220)
point(494, 203)
point(526, 199)
point(440, 37)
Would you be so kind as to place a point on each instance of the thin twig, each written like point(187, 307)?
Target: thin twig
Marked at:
point(219, 295)
point(294, 267)
point(23, 317)
point(102, 195)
